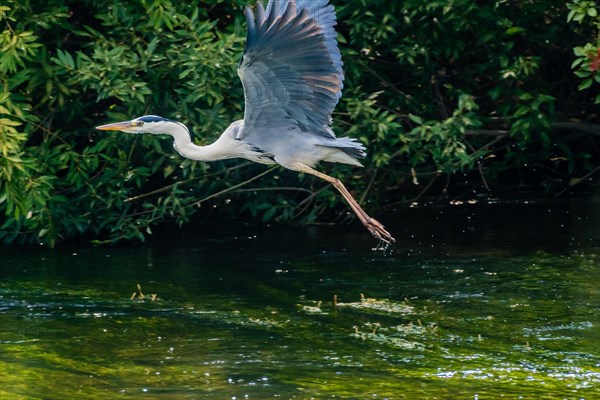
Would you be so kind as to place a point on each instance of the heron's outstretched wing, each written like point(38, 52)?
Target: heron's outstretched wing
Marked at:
point(291, 68)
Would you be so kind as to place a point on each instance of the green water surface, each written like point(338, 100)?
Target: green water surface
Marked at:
point(474, 302)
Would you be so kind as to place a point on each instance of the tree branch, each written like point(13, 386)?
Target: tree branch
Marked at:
point(487, 132)
point(594, 129)
point(587, 127)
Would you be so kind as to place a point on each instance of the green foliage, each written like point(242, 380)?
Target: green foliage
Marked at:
point(509, 60)
point(442, 141)
point(433, 88)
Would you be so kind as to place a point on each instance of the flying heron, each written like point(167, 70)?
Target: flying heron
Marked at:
point(291, 71)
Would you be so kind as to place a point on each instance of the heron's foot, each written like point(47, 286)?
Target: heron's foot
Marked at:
point(378, 231)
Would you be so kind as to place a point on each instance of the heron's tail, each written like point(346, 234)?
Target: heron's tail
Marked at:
point(352, 148)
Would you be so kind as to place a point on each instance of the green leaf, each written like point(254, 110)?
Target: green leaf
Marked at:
point(416, 119)
point(585, 84)
point(577, 62)
point(582, 73)
point(515, 30)
point(268, 215)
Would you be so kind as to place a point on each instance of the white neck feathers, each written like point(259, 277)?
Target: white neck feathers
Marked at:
point(219, 150)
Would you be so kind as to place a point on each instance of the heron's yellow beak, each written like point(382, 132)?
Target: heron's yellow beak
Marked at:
point(117, 126)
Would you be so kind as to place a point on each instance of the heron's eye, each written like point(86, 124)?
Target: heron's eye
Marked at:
point(139, 123)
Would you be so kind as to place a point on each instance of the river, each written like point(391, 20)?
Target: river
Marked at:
point(474, 301)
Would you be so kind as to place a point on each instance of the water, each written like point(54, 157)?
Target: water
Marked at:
point(475, 302)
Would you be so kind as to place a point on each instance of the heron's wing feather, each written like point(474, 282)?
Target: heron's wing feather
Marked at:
point(291, 68)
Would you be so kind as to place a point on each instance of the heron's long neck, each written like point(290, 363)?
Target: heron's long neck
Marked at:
point(212, 152)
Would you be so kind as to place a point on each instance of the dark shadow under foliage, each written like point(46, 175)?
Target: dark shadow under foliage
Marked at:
point(449, 97)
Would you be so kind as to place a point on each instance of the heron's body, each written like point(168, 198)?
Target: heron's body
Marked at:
point(292, 75)
point(289, 147)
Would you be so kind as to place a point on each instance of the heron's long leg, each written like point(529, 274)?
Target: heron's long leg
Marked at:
point(376, 228)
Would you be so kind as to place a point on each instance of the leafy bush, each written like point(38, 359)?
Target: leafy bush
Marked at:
point(433, 88)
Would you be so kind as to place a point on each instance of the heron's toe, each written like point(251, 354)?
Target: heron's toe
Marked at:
point(379, 232)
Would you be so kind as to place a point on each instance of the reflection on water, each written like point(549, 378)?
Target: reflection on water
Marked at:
point(473, 302)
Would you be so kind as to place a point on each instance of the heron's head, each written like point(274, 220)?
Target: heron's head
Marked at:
point(146, 124)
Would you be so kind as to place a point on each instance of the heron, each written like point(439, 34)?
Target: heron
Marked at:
point(291, 72)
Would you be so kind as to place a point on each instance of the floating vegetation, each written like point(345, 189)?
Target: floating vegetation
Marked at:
point(396, 342)
point(395, 336)
point(313, 309)
point(417, 329)
point(399, 336)
point(140, 296)
point(366, 304)
point(265, 323)
point(378, 335)
point(377, 306)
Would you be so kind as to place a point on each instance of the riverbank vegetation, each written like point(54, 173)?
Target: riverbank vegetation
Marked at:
point(450, 98)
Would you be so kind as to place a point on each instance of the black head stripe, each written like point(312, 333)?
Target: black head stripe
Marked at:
point(151, 118)
point(156, 118)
